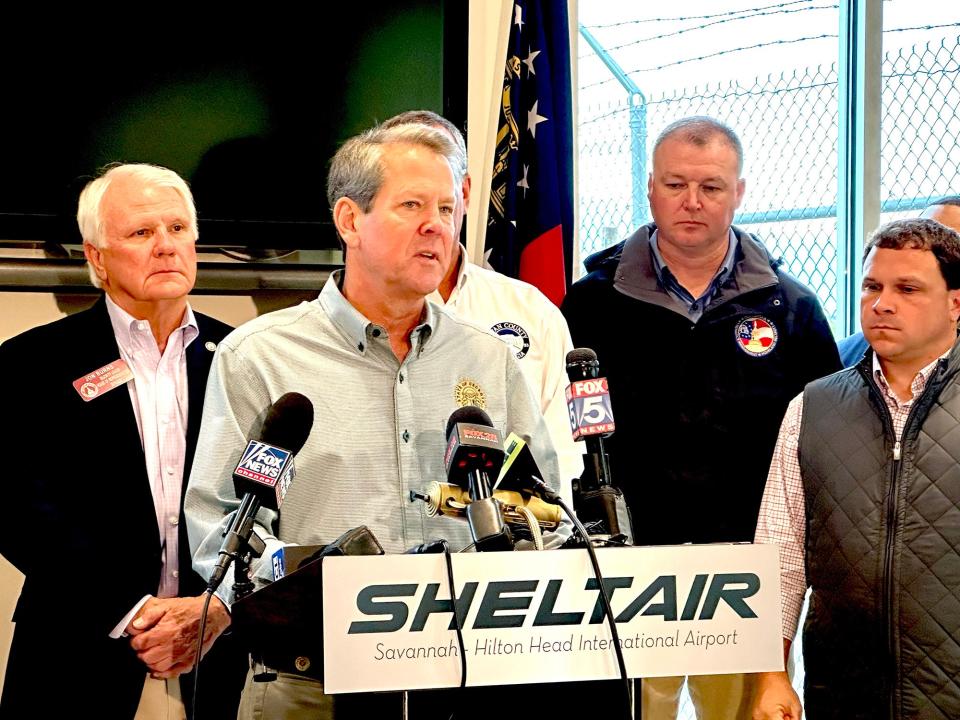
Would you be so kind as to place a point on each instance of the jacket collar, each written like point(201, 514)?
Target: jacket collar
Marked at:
point(635, 275)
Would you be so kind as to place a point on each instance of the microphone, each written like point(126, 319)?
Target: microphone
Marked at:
point(595, 499)
point(591, 415)
point(289, 558)
point(453, 501)
point(474, 450)
point(264, 474)
point(521, 473)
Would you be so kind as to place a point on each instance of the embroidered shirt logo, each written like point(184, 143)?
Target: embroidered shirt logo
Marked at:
point(467, 392)
point(514, 336)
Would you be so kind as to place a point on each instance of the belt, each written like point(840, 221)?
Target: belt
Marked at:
point(306, 665)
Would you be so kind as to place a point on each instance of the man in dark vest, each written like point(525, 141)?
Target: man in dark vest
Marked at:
point(863, 498)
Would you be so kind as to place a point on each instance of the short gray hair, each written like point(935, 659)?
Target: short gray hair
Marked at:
point(356, 171)
point(89, 215)
point(431, 119)
point(699, 130)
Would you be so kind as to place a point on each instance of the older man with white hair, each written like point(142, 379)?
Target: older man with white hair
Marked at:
point(105, 410)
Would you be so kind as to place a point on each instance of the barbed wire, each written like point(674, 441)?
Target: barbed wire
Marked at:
point(742, 92)
point(692, 17)
point(919, 72)
point(923, 27)
point(711, 24)
point(728, 51)
point(756, 47)
point(720, 94)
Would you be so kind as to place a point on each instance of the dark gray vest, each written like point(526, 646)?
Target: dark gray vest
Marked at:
point(882, 637)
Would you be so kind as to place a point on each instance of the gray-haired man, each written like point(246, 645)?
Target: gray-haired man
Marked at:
point(383, 368)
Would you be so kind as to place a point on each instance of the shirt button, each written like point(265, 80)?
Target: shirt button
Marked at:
point(376, 332)
point(401, 377)
point(176, 573)
point(169, 471)
point(360, 347)
point(406, 436)
point(174, 520)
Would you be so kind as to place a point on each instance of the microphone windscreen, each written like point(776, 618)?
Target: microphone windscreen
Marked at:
point(582, 364)
point(467, 414)
point(288, 422)
point(581, 355)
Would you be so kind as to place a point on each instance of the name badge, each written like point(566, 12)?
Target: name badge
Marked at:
point(103, 380)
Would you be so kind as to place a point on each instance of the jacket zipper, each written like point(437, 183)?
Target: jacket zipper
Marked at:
point(891, 518)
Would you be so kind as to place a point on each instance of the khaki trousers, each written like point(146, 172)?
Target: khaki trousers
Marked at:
point(161, 700)
point(715, 697)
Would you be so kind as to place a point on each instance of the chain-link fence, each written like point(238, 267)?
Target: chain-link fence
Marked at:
point(921, 127)
point(788, 124)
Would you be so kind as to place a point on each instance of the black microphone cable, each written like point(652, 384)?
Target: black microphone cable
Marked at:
point(548, 493)
point(199, 653)
point(442, 546)
point(457, 626)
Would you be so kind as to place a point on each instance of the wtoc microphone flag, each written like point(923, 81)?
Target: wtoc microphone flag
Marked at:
point(268, 466)
point(588, 402)
point(530, 226)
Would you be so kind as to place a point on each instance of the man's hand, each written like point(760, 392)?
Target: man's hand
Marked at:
point(164, 633)
point(775, 698)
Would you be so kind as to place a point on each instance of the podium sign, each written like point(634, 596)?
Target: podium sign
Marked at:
point(536, 616)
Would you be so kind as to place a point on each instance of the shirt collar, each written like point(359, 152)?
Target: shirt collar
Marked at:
point(916, 386)
point(667, 278)
point(357, 328)
point(127, 328)
point(462, 272)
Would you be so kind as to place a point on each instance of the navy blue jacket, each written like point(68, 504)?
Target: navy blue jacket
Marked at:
point(697, 406)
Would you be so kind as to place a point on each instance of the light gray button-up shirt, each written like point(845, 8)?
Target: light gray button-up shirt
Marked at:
point(379, 424)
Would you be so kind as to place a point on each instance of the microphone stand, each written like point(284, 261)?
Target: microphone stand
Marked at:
point(600, 506)
point(253, 548)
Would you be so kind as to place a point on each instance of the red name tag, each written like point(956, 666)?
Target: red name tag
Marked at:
point(103, 380)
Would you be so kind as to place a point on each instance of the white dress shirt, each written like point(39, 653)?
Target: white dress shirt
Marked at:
point(158, 393)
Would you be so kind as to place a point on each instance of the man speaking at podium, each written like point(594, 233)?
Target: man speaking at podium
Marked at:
point(383, 368)
point(104, 406)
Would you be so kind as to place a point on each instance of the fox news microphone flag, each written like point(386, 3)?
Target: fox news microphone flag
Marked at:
point(530, 226)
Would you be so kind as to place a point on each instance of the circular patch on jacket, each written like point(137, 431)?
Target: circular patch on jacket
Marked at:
point(514, 336)
point(756, 336)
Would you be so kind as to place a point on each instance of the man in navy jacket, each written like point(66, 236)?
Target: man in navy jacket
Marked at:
point(704, 341)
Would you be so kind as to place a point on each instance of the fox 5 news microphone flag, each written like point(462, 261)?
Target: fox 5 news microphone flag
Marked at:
point(530, 226)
